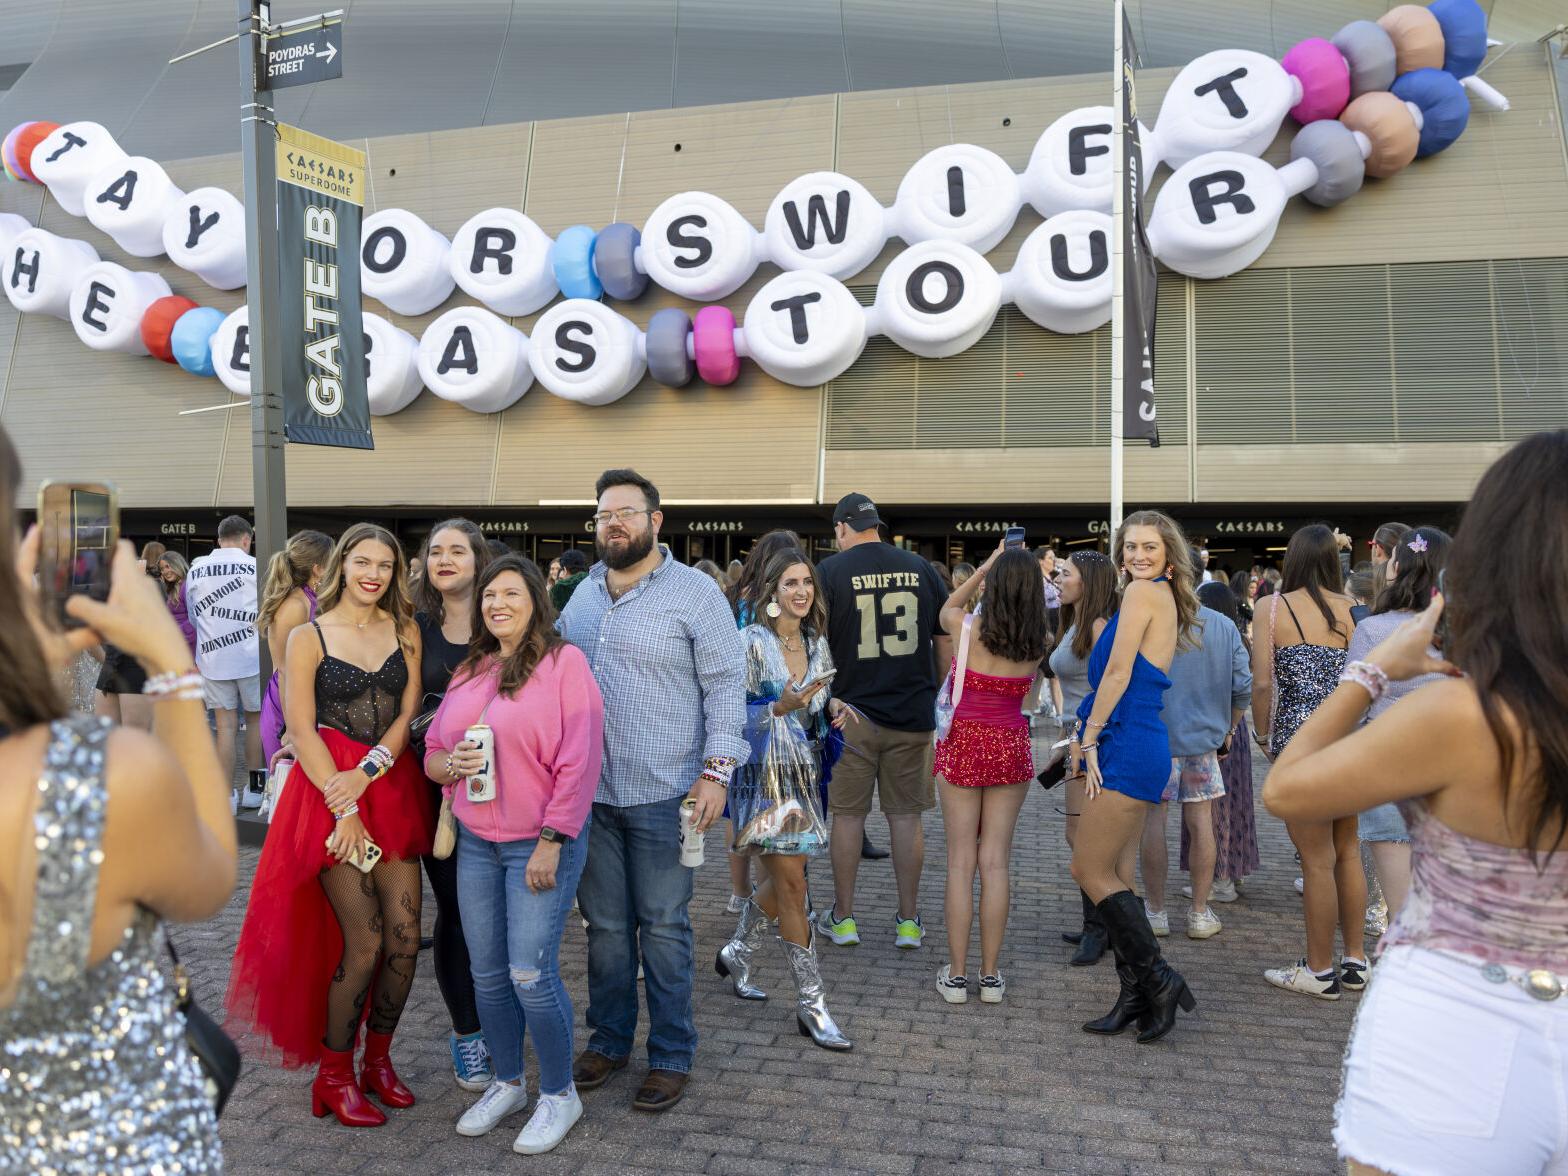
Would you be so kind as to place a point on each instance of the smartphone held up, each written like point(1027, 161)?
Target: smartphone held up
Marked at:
point(78, 528)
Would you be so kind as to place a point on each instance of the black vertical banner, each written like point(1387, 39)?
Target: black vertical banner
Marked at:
point(1140, 282)
point(320, 196)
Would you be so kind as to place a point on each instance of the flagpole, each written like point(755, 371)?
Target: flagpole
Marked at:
point(1118, 217)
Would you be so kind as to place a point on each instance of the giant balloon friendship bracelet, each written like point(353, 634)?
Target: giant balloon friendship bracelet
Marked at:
point(1371, 100)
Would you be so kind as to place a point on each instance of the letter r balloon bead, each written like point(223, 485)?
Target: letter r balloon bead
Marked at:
point(713, 346)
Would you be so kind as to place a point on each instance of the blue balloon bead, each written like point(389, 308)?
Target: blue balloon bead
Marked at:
point(571, 257)
point(1444, 106)
point(191, 339)
point(1464, 35)
point(614, 260)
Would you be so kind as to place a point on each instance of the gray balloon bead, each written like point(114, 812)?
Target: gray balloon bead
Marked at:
point(1369, 51)
point(613, 250)
point(668, 362)
point(1332, 147)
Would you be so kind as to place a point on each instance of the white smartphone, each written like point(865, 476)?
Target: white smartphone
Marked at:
point(367, 860)
point(812, 679)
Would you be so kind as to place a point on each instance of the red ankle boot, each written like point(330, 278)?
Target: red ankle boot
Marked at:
point(334, 1090)
point(376, 1075)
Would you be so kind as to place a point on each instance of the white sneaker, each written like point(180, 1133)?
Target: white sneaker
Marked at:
point(1223, 890)
point(954, 989)
point(495, 1104)
point(1300, 978)
point(736, 904)
point(555, 1115)
point(993, 989)
point(1159, 922)
point(1301, 886)
point(1204, 924)
point(250, 799)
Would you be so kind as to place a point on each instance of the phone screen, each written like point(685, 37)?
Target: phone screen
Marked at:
point(78, 527)
point(1013, 539)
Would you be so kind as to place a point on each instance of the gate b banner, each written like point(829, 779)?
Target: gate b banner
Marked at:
point(321, 188)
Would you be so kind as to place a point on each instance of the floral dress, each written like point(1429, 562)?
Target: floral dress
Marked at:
point(775, 798)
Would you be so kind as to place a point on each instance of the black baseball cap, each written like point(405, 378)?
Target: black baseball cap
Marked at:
point(858, 511)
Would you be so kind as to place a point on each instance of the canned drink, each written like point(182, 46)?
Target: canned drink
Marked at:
point(691, 840)
point(481, 785)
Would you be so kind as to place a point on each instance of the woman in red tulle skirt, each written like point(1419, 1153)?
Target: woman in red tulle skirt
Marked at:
point(326, 945)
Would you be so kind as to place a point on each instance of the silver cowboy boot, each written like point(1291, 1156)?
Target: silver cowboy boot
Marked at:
point(734, 958)
point(811, 1013)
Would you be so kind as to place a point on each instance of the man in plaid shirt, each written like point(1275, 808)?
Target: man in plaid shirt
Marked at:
point(671, 666)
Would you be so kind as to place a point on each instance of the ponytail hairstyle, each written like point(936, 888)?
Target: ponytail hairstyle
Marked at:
point(29, 691)
point(288, 570)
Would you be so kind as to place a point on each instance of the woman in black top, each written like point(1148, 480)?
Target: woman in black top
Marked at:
point(451, 562)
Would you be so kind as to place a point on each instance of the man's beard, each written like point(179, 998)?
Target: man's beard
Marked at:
point(637, 548)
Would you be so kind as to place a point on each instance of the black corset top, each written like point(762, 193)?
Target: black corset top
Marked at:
point(360, 703)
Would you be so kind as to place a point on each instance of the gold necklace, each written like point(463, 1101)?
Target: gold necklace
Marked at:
point(785, 642)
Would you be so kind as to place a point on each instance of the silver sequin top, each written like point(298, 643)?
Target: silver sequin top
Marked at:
point(95, 1075)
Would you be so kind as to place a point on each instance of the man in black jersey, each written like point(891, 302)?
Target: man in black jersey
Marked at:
point(883, 607)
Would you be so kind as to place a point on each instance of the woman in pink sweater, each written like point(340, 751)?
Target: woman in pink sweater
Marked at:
point(520, 852)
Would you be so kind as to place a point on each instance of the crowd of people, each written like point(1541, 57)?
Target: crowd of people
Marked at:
point(543, 744)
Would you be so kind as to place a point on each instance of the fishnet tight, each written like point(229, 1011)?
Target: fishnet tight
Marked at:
point(379, 917)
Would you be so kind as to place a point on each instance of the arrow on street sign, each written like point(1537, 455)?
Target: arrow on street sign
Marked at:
point(306, 56)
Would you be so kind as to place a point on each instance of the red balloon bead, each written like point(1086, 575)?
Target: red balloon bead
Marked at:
point(35, 134)
point(159, 320)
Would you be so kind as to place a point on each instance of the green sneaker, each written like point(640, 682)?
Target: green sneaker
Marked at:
point(910, 933)
point(841, 931)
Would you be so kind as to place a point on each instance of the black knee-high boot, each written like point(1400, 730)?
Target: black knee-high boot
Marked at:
point(1091, 944)
point(1140, 967)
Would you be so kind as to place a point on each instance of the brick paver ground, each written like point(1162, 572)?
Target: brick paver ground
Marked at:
point(1245, 1086)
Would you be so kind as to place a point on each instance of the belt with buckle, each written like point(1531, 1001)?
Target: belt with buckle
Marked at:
point(1541, 983)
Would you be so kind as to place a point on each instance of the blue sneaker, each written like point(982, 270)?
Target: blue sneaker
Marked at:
point(471, 1062)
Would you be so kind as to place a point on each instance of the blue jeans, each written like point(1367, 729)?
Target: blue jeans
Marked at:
point(514, 944)
point(634, 895)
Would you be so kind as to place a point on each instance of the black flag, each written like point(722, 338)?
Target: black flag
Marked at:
point(1140, 283)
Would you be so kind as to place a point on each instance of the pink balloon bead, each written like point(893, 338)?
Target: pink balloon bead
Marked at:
point(1324, 76)
point(8, 151)
point(713, 334)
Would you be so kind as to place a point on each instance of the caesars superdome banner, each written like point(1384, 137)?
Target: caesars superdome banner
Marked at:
point(321, 191)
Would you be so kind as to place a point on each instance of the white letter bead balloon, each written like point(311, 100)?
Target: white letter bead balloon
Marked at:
point(11, 227)
point(1228, 100)
point(128, 200)
point(71, 156)
point(391, 366)
point(231, 352)
point(107, 304)
point(1218, 213)
point(803, 328)
point(936, 299)
point(827, 222)
point(584, 351)
point(958, 193)
point(1071, 166)
point(41, 271)
point(205, 234)
point(1062, 277)
point(696, 245)
point(472, 358)
point(503, 259)
point(404, 263)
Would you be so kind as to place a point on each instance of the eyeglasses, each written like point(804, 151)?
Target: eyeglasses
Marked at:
point(625, 515)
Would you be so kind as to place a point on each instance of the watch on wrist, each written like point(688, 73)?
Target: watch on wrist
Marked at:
point(369, 769)
point(553, 835)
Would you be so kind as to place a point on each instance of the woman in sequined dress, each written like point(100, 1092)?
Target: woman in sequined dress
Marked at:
point(1298, 651)
point(326, 944)
point(984, 765)
point(103, 832)
point(775, 800)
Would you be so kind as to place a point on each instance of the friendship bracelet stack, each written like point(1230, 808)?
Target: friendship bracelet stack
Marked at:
point(1370, 101)
point(1369, 677)
point(720, 769)
point(351, 811)
point(378, 761)
point(186, 687)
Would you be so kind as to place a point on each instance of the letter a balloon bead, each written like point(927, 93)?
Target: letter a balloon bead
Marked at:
point(472, 358)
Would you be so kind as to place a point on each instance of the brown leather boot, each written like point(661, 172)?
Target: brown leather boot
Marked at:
point(592, 1070)
point(660, 1091)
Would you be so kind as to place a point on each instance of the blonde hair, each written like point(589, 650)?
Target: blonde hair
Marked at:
point(1179, 569)
point(394, 601)
point(289, 569)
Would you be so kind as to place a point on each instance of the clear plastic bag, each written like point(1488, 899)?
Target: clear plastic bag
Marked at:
point(776, 802)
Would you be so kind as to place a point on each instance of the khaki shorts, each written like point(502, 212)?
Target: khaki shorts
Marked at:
point(233, 694)
point(896, 763)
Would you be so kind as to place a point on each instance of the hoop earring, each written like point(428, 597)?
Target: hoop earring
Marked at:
point(773, 610)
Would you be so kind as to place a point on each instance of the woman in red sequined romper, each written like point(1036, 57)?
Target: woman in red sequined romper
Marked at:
point(984, 765)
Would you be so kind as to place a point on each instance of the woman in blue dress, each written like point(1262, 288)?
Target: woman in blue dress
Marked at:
point(775, 798)
point(1127, 760)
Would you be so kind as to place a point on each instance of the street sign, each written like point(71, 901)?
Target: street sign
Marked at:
point(302, 57)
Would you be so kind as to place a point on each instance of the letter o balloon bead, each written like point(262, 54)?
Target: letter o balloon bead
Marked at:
point(571, 258)
point(665, 344)
point(1333, 150)
point(713, 341)
point(1324, 76)
point(1444, 106)
point(1387, 122)
point(1417, 37)
point(158, 322)
point(1369, 52)
point(615, 262)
